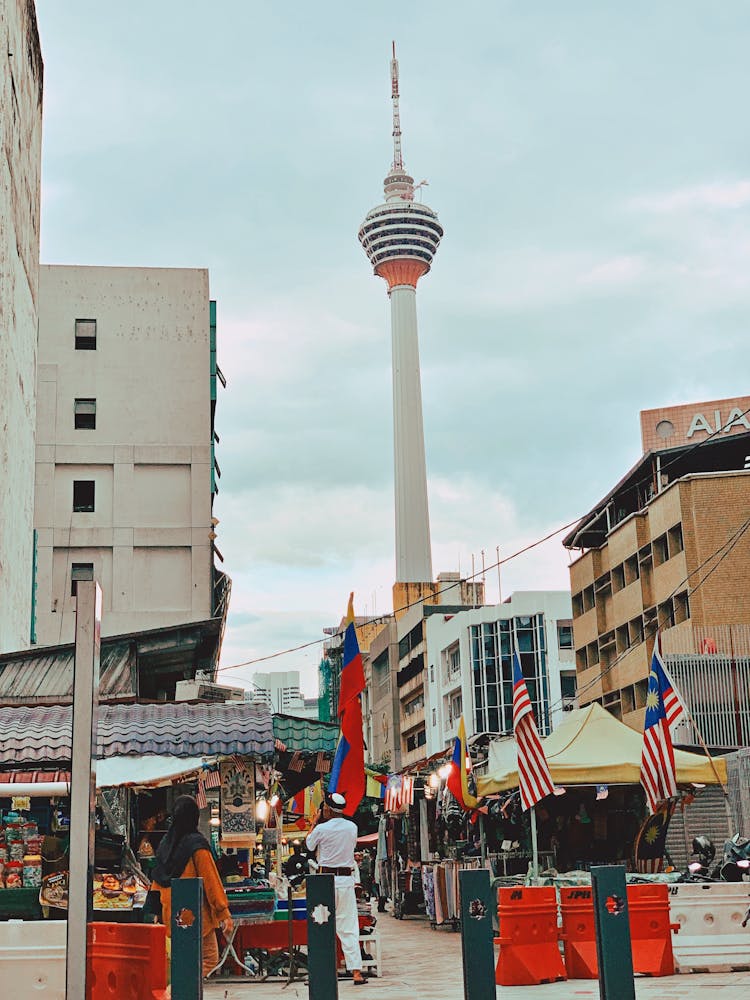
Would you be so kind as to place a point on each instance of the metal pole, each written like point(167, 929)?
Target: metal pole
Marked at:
point(321, 937)
point(83, 783)
point(534, 847)
point(477, 947)
point(612, 924)
point(187, 938)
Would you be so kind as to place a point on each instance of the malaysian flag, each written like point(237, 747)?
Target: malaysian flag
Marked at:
point(663, 709)
point(534, 779)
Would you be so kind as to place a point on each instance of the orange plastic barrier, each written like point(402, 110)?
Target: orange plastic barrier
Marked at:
point(529, 952)
point(651, 930)
point(578, 933)
point(126, 962)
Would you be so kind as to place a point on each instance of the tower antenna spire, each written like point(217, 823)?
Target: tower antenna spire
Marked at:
point(398, 160)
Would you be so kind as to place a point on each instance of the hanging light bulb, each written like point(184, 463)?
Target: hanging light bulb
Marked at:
point(434, 780)
point(261, 810)
point(444, 771)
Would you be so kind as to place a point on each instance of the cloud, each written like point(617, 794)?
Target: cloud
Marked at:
point(712, 196)
point(625, 269)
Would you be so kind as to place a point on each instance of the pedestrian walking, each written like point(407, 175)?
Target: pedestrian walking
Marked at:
point(334, 837)
point(185, 853)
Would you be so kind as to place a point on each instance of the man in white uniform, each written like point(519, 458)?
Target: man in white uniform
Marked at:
point(334, 836)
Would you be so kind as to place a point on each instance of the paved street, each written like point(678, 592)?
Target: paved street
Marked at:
point(420, 962)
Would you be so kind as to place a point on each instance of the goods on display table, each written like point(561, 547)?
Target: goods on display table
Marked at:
point(20, 853)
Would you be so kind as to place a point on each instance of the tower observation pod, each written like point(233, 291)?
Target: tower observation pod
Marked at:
point(401, 237)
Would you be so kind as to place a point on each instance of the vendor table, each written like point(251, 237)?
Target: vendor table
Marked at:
point(264, 935)
point(22, 904)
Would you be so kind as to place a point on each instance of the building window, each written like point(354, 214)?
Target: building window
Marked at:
point(661, 550)
point(416, 740)
point(83, 495)
point(676, 543)
point(456, 708)
point(492, 646)
point(80, 571)
point(565, 636)
point(85, 414)
point(434, 716)
point(85, 334)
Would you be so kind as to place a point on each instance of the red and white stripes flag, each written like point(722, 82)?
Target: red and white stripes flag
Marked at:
point(534, 778)
point(663, 710)
point(212, 779)
point(392, 801)
point(200, 796)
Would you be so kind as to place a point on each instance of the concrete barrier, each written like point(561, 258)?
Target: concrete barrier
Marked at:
point(32, 958)
point(711, 937)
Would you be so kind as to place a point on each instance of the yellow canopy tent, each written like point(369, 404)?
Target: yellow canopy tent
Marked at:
point(592, 747)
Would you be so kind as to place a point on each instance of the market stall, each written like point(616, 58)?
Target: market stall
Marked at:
point(598, 808)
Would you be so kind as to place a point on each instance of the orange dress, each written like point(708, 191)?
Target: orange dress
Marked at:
point(215, 904)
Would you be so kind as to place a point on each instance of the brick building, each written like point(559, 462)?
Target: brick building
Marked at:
point(669, 548)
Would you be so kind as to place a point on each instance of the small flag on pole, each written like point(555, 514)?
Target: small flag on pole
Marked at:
point(534, 778)
point(663, 709)
point(458, 779)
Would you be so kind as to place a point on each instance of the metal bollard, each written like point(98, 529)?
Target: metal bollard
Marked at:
point(187, 938)
point(612, 924)
point(477, 948)
point(321, 937)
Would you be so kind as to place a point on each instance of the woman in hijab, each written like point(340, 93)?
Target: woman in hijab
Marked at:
point(185, 853)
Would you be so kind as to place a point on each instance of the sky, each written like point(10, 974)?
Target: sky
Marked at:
point(590, 165)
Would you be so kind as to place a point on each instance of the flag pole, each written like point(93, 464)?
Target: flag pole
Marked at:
point(534, 847)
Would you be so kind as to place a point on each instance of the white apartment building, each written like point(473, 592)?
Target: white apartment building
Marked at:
point(280, 690)
point(470, 670)
point(20, 171)
point(125, 468)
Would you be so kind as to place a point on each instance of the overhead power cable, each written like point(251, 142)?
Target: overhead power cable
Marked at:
point(384, 618)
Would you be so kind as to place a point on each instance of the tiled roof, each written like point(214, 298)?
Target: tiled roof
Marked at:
point(47, 674)
point(297, 733)
point(43, 734)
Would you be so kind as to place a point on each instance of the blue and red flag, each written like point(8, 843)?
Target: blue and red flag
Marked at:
point(458, 779)
point(348, 770)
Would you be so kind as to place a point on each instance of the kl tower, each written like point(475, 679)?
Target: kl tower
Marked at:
point(400, 237)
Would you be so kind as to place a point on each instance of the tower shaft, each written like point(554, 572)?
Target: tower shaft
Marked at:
point(413, 553)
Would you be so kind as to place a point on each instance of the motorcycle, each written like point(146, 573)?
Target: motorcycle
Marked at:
point(734, 866)
point(736, 863)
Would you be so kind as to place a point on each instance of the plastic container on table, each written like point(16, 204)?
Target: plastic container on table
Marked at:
point(14, 875)
point(32, 871)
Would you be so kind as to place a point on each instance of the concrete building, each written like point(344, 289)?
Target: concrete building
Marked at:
point(125, 467)
point(280, 691)
point(668, 548)
point(400, 238)
point(470, 669)
point(20, 170)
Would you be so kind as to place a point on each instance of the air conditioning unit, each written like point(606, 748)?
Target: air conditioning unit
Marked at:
point(202, 690)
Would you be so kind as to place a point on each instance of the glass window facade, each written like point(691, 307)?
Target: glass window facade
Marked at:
point(492, 672)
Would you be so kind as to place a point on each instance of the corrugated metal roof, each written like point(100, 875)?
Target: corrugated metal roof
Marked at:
point(46, 675)
point(41, 734)
point(297, 733)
